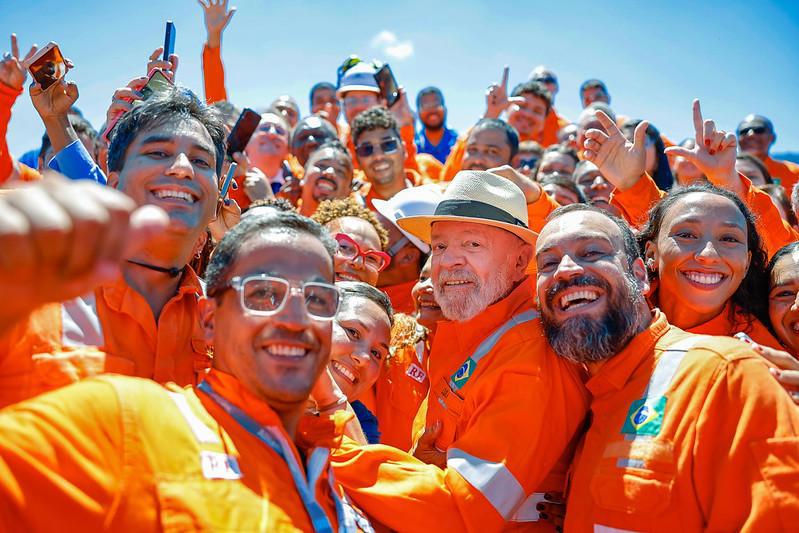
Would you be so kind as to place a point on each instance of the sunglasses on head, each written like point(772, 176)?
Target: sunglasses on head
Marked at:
point(387, 146)
point(758, 130)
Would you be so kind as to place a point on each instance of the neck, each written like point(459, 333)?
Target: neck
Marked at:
point(434, 134)
point(157, 288)
point(290, 417)
point(390, 189)
point(683, 316)
point(397, 276)
point(270, 166)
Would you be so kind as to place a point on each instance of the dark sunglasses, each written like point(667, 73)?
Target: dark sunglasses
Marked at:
point(758, 130)
point(387, 146)
point(547, 79)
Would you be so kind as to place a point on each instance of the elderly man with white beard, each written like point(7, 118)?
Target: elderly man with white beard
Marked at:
point(496, 429)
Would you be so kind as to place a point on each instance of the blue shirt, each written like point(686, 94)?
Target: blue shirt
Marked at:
point(440, 151)
point(75, 163)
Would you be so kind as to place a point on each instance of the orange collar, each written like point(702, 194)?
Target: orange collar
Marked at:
point(617, 371)
point(121, 297)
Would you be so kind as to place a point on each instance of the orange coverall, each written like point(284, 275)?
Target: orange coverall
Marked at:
point(508, 422)
point(124, 454)
point(786, 171)
point(58, 343)
point(400, 296)
point(688, 433)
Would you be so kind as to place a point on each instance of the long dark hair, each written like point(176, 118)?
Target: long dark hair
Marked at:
point(748, 297)
point(662, 175)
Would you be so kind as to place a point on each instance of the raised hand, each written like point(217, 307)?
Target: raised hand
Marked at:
point(531, 189)
point(169, 68)
point(217, 17)
point(55, 101)
point(714, 153)
point(497, 99)
point(122, 100)
point(12, 69)
point(402, 110)
point(620, 161)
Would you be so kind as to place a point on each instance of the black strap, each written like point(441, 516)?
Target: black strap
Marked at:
point(173, 272)
point(476, 209)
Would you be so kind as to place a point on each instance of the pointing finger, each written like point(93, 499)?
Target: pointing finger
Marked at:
point(517, 100)
point(505, 74)
point(14, 46)
point(596, 135)
point(698, 123)
point(158, 51)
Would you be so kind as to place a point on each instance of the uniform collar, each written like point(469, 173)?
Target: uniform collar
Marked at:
point(120, 296)
point(467, 334)
point(614, 374)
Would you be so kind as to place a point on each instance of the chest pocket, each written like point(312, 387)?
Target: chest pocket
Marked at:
point(635, 476)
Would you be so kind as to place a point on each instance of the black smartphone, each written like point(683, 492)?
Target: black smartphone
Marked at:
point(388, 85)
point(169, 40)
point(240, 135)
point(47, 66)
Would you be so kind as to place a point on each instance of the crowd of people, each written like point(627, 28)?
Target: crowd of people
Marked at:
point(384, 324)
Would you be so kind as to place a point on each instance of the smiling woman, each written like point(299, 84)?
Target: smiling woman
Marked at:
point(706, 262)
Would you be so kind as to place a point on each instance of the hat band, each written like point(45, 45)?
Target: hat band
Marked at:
point(476, 209)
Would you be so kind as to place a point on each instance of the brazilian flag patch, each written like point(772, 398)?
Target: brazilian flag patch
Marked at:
point(645, 417)
point(463, 374)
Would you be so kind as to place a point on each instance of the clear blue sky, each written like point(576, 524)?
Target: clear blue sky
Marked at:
point(737, 57)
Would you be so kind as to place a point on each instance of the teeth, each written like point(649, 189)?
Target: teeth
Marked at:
point(587, 295)
point(795, 327)
point(448, 283)
point(344, 371)
point(325, 185)
point(428, 304)
point(347, 277)
point(282, 350)
point(168, 193)
point(704, 279)
point(380, 167)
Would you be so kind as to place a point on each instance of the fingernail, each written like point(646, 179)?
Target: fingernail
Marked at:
point(707, 142)
point(543, 516)
point(774, 372)
point(712, 152)
point(227, 201)
point(539, 507)
point(547, 496)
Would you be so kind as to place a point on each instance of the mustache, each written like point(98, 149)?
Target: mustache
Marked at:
point(456, 275)
point(582, 281)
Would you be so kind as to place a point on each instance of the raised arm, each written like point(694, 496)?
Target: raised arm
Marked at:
point(12, 77)
point(217, 17)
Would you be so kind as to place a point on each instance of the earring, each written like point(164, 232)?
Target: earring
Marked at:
point(650, 265)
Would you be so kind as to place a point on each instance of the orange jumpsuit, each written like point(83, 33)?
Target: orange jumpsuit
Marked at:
point(401, 389)
point(400, 296)
point(547, 137)
point(688, 433)
point(728, 324)
point(786, 171)
point(58, 343)
point(124, 454)
point(508, 420)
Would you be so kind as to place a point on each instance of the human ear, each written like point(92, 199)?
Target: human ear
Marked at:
point(113, 180)
point(207, 308)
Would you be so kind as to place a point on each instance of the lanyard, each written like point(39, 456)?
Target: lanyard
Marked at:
point(319, 520)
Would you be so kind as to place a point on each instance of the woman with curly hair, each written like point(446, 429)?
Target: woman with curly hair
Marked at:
point(707, 264)
point(361, 238)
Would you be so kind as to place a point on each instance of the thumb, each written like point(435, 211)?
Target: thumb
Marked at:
point(145, 223)
point(639, 136)
point(230, 15)
point(431, 433)
point(72, 91)
point(679, 151)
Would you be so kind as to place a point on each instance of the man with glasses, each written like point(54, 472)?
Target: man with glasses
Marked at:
point(756, 136)
point(435, 138)
point(381, 155)
point(228, 454)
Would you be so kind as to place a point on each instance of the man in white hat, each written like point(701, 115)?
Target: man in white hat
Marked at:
point(502, 408)
point(408, 252)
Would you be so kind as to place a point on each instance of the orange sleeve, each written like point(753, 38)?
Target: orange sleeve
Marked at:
point(538, 211)
point(754, 484)
point(213, 75)
point(774, 231)
point(549, 135)
point(408, 134)
point(62, 452)
point(429, 167)
point(7, 98)
point(635, 202)
point(453, 164)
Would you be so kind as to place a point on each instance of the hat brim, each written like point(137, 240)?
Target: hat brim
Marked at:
point(348, 88)
point(421, 226)
point(384, 208)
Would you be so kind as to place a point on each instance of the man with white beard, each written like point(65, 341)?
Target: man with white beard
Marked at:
point(502, 409)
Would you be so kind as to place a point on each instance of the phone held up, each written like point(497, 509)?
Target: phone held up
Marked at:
point(388, 85)
point(47, 66)
point(244, 128)
point(169, 40)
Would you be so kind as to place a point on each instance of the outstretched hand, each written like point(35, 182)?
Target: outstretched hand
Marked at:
point(620, 161)
point(217, 17)
point(12, 68)
point(531, 189)
point(169, 68)
point(714, 153)
point(497, 99)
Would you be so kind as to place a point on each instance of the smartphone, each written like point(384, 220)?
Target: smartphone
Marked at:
point(231, 171)
point(169, 40)
point(388, 85)
point(157, 84)
point(240, 135)
point(47, 66)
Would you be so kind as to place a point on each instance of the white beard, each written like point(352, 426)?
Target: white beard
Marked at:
point(460, 307)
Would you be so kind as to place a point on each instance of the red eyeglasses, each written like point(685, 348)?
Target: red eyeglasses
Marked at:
point(372, 259)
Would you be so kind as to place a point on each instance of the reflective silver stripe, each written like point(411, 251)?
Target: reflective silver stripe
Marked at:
point(80, 325)
point(667, 367)
point(489, 342)
point(527, 511)
point(201, 432)
point(493, 480)
point(598, 528)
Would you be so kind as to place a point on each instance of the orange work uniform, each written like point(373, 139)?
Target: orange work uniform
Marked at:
point(58, 343)
point(732, 320)
point(400, 296)
point(786, 171)
point(125, 454)
point(402, 388)
point(509, 408)
point(688, 433)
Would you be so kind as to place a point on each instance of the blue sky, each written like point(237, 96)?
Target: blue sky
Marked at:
point(737, 57)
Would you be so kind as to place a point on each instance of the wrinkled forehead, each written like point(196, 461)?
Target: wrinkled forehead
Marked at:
point(578, 227)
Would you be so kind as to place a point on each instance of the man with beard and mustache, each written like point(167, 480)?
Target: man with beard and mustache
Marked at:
point(435, 138)
point(327, 176)
point(502, 409)
point(687, 431)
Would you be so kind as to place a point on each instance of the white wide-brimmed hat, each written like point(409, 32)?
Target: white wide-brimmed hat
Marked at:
point(479, 197)
point(410, 202)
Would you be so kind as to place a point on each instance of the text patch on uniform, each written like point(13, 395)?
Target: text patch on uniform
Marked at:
point(219, 465)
